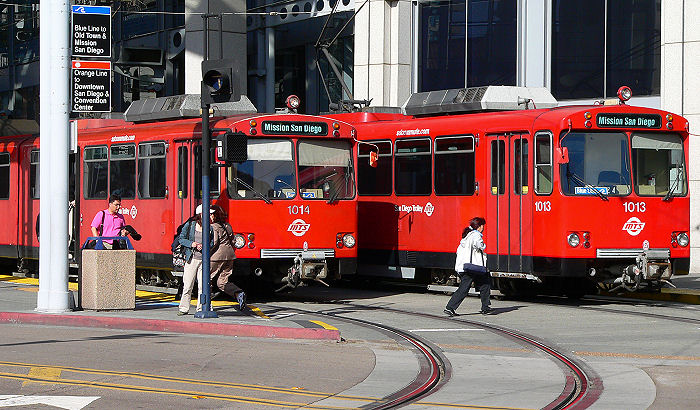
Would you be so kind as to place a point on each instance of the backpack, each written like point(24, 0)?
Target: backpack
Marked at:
point(177, 248)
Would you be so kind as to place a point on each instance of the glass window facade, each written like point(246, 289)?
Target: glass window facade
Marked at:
point(479, 35)
point(592, 57)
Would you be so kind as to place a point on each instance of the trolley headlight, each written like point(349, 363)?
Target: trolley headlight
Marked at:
point(348, 240)
point(683, 239)
point(624, 93)
point(238, 241)
point(293, 102)
point(573, 240)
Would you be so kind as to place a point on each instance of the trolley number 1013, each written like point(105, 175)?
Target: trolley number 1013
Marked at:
point(543, 206)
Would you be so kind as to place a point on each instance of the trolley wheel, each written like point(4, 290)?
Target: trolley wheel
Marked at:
point(507, 287)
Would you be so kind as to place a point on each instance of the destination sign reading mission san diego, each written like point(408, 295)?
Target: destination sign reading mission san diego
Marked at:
point(294, 127)
point(610, 120)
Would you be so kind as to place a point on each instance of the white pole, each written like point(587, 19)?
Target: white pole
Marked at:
point(54, 129)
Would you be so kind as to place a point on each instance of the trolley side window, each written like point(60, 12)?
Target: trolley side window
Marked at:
point(543, 163)
point(520, 162)
point(34, 174)
point(412, 166)
point(659, 165)
point(598, 164)
point(214, 181)
point(498, 167)
point(4, 175)
point(325, 170)
point(152, 170)
point(374, 180)
point(454, 165)
point(182, 172)
point(122, 170)
point(95, 173)
point(268, 174)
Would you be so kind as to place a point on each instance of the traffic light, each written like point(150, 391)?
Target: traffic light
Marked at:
point(232, 147)
point(219, 82)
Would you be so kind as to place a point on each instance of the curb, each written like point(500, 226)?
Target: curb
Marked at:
point(176, 326)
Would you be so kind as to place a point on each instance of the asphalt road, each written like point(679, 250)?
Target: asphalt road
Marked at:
point(639, 354)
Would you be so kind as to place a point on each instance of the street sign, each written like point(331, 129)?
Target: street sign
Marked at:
point(91, 86)
point(92, 31)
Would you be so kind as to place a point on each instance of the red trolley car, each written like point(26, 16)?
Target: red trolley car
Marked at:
point(572, 195)
point(292, 204)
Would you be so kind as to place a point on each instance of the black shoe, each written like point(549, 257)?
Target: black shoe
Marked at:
point(215, 294)
point(486, 310)
point(450, 312)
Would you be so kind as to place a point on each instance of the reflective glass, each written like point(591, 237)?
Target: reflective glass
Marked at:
point(598, 162)
point(267, 174)
point(325, 170)
point(634, 46)
point(659, 165)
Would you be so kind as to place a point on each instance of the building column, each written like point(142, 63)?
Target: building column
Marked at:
point(234, 39)
point(680, 57)
point(383, 41)
point(534, 43)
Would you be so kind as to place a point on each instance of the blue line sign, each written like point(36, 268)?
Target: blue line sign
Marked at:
point(92, 31)
point(92, 10)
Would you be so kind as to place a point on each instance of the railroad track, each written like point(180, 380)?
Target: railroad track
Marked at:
point(582, 385)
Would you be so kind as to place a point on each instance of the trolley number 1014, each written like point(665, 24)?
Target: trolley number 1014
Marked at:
point(298, 209)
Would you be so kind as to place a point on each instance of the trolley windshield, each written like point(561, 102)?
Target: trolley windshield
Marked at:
point(598, 164)
point(267, 174)
point(659, 165)
point(325, 170)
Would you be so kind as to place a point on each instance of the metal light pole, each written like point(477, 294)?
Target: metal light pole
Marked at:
point(54, 41)
point(205, 297)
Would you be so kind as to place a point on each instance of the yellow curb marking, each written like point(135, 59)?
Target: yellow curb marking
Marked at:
point(43, 372)
point(258, 312)
point(323, 325)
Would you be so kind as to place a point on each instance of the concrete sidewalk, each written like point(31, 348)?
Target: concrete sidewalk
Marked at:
point(156, 312)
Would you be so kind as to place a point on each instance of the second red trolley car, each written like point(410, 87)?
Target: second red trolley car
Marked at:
point(572, 195)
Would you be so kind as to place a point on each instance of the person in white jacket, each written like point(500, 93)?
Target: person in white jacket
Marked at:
point(471, 250)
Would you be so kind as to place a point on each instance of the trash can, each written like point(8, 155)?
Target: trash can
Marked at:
point(108, 276)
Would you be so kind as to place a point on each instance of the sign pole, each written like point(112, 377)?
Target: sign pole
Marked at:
point(205, 297)
point(54, 40)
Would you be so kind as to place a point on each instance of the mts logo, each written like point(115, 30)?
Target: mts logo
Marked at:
point(298, 227)
point(633, 226)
